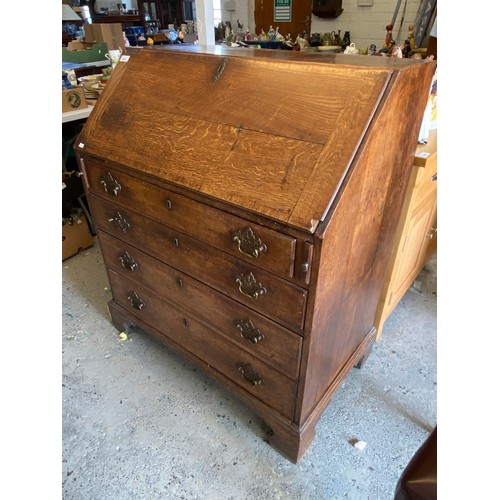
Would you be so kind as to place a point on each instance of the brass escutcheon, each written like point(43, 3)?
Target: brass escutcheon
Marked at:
point(220, 69)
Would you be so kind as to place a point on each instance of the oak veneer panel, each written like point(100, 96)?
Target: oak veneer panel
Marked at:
point(220, 143)
point(248, 92)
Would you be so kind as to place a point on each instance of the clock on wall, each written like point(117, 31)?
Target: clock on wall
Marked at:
point(327, 8)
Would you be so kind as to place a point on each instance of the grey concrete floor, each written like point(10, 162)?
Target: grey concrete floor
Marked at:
point(141, 423)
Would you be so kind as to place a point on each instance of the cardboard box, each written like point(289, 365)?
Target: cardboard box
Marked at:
point(76, 237)
point(79, 45)
point(73, 99)
point(96, 53)
point(109, 33)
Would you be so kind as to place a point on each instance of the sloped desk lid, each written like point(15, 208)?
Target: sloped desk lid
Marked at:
point(272, 135)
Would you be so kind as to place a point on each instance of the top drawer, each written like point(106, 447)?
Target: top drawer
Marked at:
point(262, 247)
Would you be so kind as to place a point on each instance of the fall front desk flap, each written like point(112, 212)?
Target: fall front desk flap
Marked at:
point(274, 135)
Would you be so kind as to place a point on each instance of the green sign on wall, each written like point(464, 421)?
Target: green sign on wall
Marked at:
point(282, 10)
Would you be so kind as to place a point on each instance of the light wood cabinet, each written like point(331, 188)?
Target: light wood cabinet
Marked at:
point(416, 234)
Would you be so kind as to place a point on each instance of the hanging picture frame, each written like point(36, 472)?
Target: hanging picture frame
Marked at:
point(282, 11)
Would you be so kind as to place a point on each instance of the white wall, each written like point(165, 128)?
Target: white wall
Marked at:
point(367, 24)
point(131, 4)
point(244, 13)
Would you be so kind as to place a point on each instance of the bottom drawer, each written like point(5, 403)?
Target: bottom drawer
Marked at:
point(251, 374)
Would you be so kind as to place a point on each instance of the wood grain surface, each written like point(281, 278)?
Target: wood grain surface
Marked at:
point(236, 138)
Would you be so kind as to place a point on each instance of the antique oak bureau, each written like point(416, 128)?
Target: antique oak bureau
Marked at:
point(246, 203)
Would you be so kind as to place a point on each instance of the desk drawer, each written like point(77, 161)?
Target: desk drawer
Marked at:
point(251, 242)
point(251, 331)
point(251, 374)
point(256, 288)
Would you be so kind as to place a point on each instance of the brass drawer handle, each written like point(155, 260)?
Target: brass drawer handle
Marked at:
point(249, 286)
point(110, 184)
point(248, 243)
point(128, 262)
point(249, 373)
point(136, 301)
point(120, 222)
point(248, 331)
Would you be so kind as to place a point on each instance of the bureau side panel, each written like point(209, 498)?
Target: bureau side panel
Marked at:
point(356, 239)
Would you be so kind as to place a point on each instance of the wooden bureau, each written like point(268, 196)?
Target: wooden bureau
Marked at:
point(246, 203)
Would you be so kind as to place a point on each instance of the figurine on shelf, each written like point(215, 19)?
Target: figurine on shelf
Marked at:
point(372, 50)
point(126, 42)
point(315, 40)
point(411, 37)
point(301, 41)
point(396, 51)
point(387, 51)
point(278, 36)
point(229, 39)
point(389, 42)
point(228, 29)
point(351, 49)
point(262, 36)
point(288, 42)
point(336, 38)
point(248, 36)
point(271, 34)
point(406, 49)
point(346, 41)
point(220, 32)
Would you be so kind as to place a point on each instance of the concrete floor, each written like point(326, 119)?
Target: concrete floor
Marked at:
point(140, 423)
